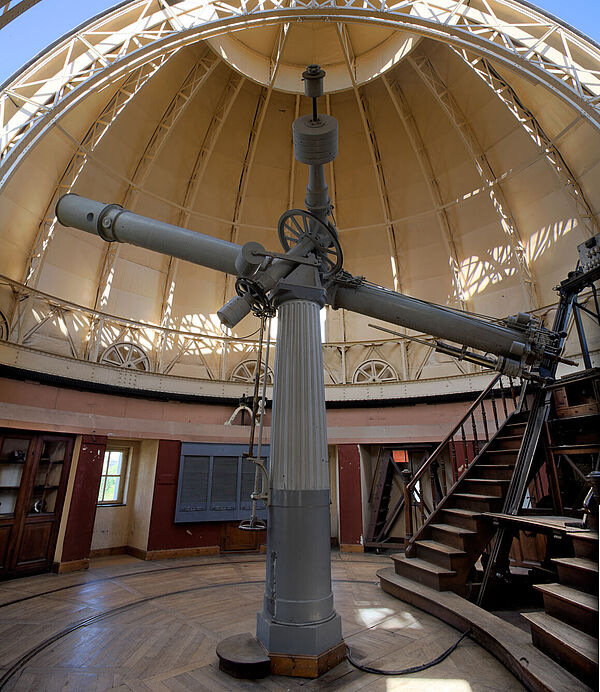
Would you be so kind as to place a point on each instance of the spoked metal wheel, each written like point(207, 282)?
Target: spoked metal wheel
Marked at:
point(126, 354)
point(374, 371)
point(3, 327)
point(296, 224)
point(246, 370)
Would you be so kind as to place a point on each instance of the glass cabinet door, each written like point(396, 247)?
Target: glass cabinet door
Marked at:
point(13, 455)
point(48, 475)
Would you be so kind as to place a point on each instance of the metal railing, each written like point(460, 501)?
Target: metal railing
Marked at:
point(200, 350)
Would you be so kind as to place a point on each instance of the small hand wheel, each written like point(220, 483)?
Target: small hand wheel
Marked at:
point(259, 300)
point(296, 224)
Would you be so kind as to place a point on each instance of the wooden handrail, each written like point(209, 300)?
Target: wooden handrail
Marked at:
point(436, 452)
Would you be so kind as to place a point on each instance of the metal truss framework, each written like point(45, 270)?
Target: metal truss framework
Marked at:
point(431, 78)
point(418, 146)
point(506, 31)
point(196, 77)
point(262, 105)
point(11, 10)
point(505, 92)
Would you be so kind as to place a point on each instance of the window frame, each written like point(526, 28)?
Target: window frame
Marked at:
point(121, 500)
point(211, 514)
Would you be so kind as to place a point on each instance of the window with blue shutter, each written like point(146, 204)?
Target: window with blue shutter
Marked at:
point(215, 482)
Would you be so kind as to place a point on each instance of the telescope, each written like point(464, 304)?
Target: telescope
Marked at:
point(515, 345)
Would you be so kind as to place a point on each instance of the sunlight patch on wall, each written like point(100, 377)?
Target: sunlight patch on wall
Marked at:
point(478, 273)
point(541, 241)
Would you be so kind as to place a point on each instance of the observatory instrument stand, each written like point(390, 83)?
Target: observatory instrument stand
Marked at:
point(298, 626)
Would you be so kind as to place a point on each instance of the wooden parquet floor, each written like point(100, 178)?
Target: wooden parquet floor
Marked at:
point(154, 626)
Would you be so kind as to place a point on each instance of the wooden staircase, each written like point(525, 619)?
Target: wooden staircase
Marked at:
point(444, 550)
point(568, 629)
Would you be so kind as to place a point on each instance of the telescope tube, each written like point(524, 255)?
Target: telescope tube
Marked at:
point(396, 308)
point(115, 224)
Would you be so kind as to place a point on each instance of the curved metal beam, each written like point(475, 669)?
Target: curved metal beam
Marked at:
point(11, 10)
point(254, 136)
point(513, 42)
point(420, 150)
point(436, 85)
point(98, 129)
point(371, 140)
point(218, 119)
point(508, 96)
point(196, 77)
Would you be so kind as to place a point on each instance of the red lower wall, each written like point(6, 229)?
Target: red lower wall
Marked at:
point(164, 534)
point(351, 527)
point(82, 512)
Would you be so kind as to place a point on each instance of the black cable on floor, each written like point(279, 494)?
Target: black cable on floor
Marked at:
point(407, 671)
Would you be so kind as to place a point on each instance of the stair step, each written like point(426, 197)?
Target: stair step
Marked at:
point(456, 536)
point(424, 572)
point(501, 456)
point(486, 486)
point(578, 572)
point(499, 471)
point(464, 518)
point(447, 556)
point(477, 502)
point(585, 545)
point(573, 649)
point(508, 442)
point(513, 428)
point(575, 607)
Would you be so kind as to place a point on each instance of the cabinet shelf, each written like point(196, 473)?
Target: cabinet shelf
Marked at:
point(33, 476)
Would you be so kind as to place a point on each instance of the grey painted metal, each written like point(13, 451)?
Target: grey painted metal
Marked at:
point(298, 615)
point(419, 315)
point(113, 223)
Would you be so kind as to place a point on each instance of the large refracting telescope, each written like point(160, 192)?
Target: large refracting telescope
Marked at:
point(298, 617)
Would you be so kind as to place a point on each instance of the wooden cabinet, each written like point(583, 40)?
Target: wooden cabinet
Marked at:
point(34, 468)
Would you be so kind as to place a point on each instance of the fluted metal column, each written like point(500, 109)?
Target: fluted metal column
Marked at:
point(298, 615)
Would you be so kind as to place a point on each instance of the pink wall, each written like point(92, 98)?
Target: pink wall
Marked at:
point(38, 406)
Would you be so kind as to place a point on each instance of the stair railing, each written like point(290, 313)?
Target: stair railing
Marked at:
point(457, 451)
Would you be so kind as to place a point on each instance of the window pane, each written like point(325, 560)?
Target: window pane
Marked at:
point(105, 464)
point(101, 493)
point(114, 463)
point(224, 483)
point(194, 484)
point(111, 489)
